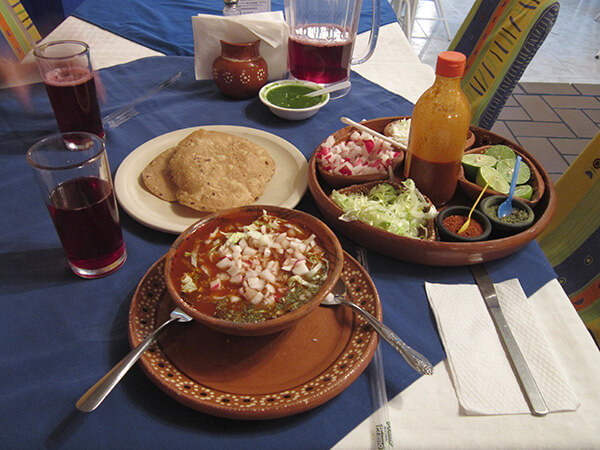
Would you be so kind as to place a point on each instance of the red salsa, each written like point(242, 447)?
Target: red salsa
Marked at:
point(249, 270)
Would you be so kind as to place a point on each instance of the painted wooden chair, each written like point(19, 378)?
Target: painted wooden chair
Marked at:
point(19, 34)
point(572, 240)
point(499, 38)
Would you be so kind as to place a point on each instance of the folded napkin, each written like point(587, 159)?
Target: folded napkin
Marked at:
point(482, 375)
point(269, 27)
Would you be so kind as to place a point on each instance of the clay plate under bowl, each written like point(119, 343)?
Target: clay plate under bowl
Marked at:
point(324, 237)
point(434, 253)
point(256, 377)
point(472, 190)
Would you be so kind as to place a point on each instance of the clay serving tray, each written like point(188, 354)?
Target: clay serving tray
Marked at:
point(256, 377)
point(433, 253)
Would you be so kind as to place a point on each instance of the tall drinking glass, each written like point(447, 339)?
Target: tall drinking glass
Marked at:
point(77, 188)
point(322, 36)
point(67, 73)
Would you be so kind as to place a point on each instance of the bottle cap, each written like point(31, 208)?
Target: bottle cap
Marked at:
point(450, 64)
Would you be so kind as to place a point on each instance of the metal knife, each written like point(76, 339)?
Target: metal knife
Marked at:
point(488, 291)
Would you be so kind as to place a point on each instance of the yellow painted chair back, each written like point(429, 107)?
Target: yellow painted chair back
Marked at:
point(572, 240)
point(19, 34)
point(499, 38)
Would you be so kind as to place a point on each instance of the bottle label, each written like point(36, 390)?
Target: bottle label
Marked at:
point(254, 6)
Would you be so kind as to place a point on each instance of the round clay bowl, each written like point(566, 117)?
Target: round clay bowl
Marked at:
point(340, 181)
point(434, 253)
point(472, 190)
point(470, 140)
point(366, 187)
point(502, 228)
point(325, 238)
point(447, 235)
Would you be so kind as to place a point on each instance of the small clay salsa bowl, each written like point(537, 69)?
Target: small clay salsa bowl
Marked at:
point(253, 270)
point(521, 218)
point(451, 219)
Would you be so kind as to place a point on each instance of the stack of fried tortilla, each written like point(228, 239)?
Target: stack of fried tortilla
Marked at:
point(210, 171)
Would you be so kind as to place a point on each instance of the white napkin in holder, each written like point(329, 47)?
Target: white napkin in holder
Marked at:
point(481, 372)
point(269, 27)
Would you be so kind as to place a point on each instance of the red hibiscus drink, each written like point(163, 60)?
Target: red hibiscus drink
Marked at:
point(78, 192)
point(321, 39)
point(320, 60)
point(67, 73)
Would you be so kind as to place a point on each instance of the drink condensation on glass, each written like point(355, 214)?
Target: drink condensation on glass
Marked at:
point(67, 73)
point(321, 39)
point(77, 188)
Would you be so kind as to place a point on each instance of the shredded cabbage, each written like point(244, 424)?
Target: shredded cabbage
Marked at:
point(404, 213)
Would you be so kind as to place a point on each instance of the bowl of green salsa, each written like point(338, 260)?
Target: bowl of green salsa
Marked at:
point(287, 99)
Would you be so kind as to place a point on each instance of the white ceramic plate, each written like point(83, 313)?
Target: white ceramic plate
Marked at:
point(285, 189)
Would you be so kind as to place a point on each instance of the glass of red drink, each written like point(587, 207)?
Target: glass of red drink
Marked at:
point(321, 39)
point(77, 188)
point(67, 73)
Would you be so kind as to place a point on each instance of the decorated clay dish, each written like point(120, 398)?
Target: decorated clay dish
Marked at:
point(253, 270)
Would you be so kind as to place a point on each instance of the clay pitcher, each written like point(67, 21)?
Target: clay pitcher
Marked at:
point(240, 71)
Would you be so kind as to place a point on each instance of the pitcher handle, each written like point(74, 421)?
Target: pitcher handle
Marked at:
point(376, 19)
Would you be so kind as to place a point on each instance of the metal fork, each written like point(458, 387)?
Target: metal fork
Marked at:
point(122, 115)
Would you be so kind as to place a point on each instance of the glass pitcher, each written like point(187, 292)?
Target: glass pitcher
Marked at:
point(322, 36)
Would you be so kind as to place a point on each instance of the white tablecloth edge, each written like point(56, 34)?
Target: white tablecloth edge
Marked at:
point(426, 414)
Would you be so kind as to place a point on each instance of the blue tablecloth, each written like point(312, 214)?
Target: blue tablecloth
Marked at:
point(166, 25)
point(61, 333)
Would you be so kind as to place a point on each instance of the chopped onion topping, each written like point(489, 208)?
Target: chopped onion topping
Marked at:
point(245, 259)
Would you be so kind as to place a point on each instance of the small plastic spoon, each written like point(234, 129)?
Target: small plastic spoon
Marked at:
point(468, 222)
point(506, 209)
point(328, 89)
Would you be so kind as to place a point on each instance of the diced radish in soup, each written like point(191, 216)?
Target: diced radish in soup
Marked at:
point(250, 270)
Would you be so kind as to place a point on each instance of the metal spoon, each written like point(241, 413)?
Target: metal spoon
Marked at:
point(412, 357)
point(98, 392)
point(505, 208)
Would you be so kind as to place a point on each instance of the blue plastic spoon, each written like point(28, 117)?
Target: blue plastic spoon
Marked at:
point(506, 208)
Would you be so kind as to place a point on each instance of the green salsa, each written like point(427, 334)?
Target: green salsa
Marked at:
point(517, 216)
point(293, 96)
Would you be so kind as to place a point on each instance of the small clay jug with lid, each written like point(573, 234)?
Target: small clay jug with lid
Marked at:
point(240, 71)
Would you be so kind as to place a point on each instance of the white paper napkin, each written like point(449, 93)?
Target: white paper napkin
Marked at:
point(269, 27)
point(481, 372)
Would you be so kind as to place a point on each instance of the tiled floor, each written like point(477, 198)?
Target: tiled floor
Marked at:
point(552, 121)
point(555, 110)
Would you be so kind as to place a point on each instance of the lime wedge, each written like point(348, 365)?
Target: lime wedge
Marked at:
point(473, 161)
point(524, 191)
point(496, 181)
point(501, 152)
point(506, 168)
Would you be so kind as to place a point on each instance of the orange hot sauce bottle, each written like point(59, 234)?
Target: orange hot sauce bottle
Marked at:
point(438, 131)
